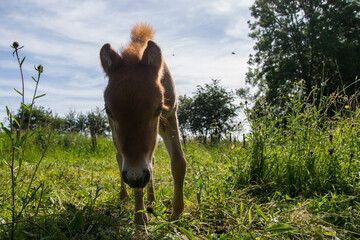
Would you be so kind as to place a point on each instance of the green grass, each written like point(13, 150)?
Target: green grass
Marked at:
point(297, 177)
point(224, 198)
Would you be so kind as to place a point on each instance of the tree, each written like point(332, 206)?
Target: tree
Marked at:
point(208, 113)
point(39, 117)
point(70, 121)
point(184, 113)
point(77, 122)
point(97, 123)
point(314, 40)
point(80, 124)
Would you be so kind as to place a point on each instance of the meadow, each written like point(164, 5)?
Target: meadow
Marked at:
point(294, 182)
point(296, 175)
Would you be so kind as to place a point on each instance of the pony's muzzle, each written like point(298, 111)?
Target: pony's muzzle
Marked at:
point(136, 178)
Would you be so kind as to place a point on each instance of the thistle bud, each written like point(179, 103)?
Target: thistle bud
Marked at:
point(15, 45)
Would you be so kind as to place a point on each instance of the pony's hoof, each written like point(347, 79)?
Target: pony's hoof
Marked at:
point(140, 218)
point(124, 195)
point(175, 216)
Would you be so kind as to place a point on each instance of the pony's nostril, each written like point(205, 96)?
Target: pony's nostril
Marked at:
point(124, 176)
point(146, 176)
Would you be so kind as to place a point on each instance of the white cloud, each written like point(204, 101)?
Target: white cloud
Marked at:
point(66, 36)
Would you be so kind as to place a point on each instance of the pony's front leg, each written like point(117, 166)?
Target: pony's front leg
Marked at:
point(139, 217)
point(170, 135)
point(178, 169)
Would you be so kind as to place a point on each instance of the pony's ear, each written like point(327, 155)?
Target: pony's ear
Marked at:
point(152, 55)
point(110, 60)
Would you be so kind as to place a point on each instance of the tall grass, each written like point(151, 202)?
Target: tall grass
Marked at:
point(308, 147)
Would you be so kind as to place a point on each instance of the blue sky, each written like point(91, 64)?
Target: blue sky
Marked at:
point(197, 39)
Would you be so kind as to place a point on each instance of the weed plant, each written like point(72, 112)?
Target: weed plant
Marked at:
point(23, 190)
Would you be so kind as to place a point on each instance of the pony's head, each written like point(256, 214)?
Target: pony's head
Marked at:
point(134, 100)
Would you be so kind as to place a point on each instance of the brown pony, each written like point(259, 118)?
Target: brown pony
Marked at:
point(140, 102)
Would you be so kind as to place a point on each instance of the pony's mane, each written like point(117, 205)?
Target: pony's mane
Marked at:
point(141, 33)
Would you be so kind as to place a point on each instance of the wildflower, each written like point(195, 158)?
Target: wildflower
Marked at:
point(331, 150)
point(239, 148)
point(291, 99)
point(233, 146)
point(354, 124)
point(346, 106)
point(119, 185)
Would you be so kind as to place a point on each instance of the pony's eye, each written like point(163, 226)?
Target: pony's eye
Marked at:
point(158, 110)
point(108, 112)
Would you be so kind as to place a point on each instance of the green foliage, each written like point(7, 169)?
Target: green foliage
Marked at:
point(97, 122)
point(310, 40)
point(209, 112)
point(184, 113)
point(37, 117)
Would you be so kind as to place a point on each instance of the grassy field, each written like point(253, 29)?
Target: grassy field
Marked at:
point(297, 176)
point(297, 182)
